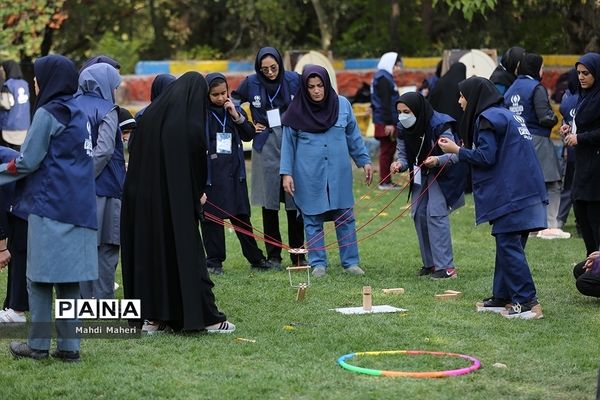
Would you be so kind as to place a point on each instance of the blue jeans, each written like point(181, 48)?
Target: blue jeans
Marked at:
point(40, 307)
point(345, 230)
point(512, 277)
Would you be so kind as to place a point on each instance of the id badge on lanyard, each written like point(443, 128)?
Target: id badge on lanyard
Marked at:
point(273, 115)
point(417, 175)
point(224, 140)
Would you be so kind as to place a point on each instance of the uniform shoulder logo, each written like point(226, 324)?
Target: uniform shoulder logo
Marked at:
point(515, 106)
point(523, 131)
point(22, 97)
point(572, 113)
point(87, 144)
point(256, 102)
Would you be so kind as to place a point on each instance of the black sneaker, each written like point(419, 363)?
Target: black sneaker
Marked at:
point(493, 304)
point(262, 265)
point(449, 273)
point(218, 270)
point(530, 310)
point(424, 271)
point(22, 350)
point(275, 263)
point(66, 356)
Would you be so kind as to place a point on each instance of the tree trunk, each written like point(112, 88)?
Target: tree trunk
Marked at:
point(160, 45)
point(394, 18)
point(324, 25)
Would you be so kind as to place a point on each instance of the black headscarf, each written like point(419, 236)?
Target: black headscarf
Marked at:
point(413, 136)
point(270, 85)
point(481, 94)
point(162, 254)
point(587, 115)
point(504, 74)
point(159, 84)
point(57, 79)
point(100, 59)
point(12, 70)
point(444, 96)
point(305, 114)
point(530, 65)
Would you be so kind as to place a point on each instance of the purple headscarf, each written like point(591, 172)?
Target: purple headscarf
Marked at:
point(305, 114)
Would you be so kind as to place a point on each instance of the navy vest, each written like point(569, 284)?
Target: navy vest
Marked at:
point(383, 77)
point(453, 178)
point(237, 149)
point(110, 181)
point(519, 99)
point(260, 104)
point(568, 106)
point(62, 188)
point(515, 181)
point(18, 117)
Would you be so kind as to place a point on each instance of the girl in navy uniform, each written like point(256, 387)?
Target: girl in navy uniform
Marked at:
point(97, 85)
point(14, 106)
point(60, 199)
point(384, 95)
point(419, 129)
point(269, 93)
point(227, 126)
point(508, 189)
point(528, 98)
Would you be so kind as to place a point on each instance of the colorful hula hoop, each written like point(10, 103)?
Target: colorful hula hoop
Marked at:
point(475, 364)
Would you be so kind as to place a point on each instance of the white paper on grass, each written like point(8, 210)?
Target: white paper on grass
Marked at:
point(374, 310)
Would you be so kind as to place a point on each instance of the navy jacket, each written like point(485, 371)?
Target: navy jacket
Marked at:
point(18, 117)
point(384, 96)
point(519, 99)
point(511, 178)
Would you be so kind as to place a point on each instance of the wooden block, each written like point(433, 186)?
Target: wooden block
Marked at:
point(394, 291)
point(367, 299)
point(446, 296)
point(452, 292)
point(301, 292)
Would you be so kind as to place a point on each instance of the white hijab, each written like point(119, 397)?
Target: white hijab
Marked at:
point(387, 61)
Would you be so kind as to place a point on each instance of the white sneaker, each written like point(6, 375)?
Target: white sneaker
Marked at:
point(553, 233)
point(354, 270)
point(221, 327)
point(10, 316)
point(152, 327)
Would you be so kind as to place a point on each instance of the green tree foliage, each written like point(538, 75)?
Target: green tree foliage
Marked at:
point(206, 29)
point(27, 24)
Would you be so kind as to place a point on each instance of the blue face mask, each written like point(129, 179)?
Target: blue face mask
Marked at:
point(407, 120)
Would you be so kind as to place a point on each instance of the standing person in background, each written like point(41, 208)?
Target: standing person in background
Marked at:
point(584, 135)
point(226, 188)
point(14, 106)
point(568, 103)
point(320, 136)
point(14, 230)
point(434, 192)
point(528, 98)
point(506, 72)
point(163, 259)
point(384, 95)
point(57, 158)
point(97, 86)
point(508, 189)
point(159, 84)
point(269, 93)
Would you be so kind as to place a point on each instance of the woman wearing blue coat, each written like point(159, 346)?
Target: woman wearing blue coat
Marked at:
point(508, 190)
point(320, 136)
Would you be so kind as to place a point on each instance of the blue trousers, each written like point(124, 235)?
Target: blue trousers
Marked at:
point(104, 286)
point(345, 231)
point(432, 223)
point(40, 307)
point(512, 277)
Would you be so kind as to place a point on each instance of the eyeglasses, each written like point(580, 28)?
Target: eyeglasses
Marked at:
point(273, 68)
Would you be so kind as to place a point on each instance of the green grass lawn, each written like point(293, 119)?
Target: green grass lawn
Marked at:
point(553, 358)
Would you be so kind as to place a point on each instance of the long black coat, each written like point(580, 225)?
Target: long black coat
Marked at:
point(162, 253)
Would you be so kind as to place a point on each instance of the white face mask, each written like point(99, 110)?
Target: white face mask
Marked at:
point(407, 120)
